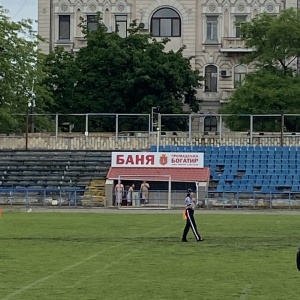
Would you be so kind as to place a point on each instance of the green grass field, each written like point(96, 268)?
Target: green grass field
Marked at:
point(140, 256)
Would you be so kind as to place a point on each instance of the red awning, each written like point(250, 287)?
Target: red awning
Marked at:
point(177, 174)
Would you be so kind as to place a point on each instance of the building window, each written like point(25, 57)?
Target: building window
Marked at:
point(92, 22)
point(210, 123)
point(240, 72)
point(166, 23)
point(64, 27)
point(239, 20)
point(121, 26)
point(212, 29)
point(211, 78)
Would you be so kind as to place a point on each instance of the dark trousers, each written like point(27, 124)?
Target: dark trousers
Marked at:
point(190, 223)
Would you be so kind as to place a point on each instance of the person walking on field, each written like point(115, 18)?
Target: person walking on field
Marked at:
point(145, 191)
point(190, 221)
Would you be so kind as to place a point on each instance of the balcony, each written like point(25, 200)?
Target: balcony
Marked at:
point(79, 42)
point(234, 44)
point(226, 94)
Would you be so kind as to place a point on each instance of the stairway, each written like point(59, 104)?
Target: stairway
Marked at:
point(94, 194)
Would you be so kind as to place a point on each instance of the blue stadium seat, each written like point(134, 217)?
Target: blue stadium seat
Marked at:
point(220, 188)
point(244, 181)
point(195, 148)
point(153, 148)
point(234, 189)
point(265, 189)
point(227, 188)
point(249, 188)
point(243, 188)
point(252, 177)
point(285, 172)
point(293, 149)
point(295, 188)
point(180, 149)
point(272, 188)
point(288, 183)
point(256, 172)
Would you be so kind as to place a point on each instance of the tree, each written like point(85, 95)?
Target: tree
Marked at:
point(265, 92)
point(131, 75)
point(274, 39)
point(274, 87)
point(21, 70)
point(61, 77)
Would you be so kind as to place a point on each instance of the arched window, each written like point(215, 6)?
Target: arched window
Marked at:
point(210, 123)
point(211, 78)
point(166, 23)
point(240, 72)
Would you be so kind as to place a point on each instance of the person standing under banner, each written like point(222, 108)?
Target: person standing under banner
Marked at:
point(119, 193)
point(130, 194)
point(145, 191)
point(190, 221)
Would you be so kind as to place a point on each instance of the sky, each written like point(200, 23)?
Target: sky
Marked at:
point(21, 9)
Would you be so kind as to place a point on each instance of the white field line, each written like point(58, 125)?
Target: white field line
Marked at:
point(41, 280)
point(245, 293)
point(115, 262)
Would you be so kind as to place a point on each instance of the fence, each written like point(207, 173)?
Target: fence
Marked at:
point(47, 197)
point(157, 199)
point(194, 131)
point(254, 200)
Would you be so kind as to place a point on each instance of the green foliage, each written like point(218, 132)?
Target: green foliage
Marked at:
point(274, 88)
point(265, 93)
point(22, 69)
point(122, 75)
point(275, 39)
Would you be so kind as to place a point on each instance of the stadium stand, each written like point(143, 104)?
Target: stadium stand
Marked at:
point(260, 169)
point(47, 172)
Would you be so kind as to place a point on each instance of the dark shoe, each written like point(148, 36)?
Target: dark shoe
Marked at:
point(185, 241)
point(201, 240)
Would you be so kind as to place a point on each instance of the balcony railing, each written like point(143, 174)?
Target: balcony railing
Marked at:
point(79, 42)
point(234, 44)
point(226, 94)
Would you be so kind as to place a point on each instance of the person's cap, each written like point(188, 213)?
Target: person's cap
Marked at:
point(189, 190)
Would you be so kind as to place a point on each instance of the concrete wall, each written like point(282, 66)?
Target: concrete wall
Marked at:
point(109, 142)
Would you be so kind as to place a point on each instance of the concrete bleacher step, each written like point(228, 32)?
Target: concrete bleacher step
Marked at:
point(53, 169)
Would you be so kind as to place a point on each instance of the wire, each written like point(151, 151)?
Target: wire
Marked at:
point(21, 7)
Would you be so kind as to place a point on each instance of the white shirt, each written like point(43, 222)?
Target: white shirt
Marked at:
point(189, 203)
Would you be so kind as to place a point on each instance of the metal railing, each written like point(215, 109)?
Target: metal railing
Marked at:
point(47, 197)
point(255, 199)
point(72, 198)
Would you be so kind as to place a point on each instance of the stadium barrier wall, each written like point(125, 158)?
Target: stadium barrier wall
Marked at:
point(47, 197)
point(254, 200)
point(107, 142)
point(72, 198)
